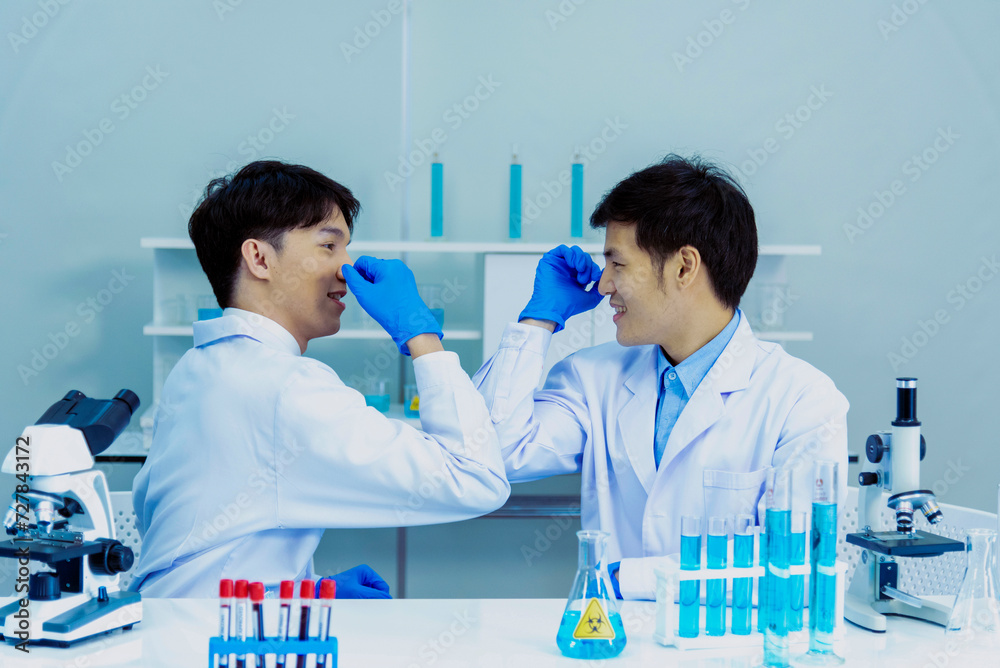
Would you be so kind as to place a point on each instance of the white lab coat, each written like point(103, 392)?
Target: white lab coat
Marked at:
point(257, 449)
point(758, 407)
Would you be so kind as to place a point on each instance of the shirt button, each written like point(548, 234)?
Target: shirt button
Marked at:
point(672, 376)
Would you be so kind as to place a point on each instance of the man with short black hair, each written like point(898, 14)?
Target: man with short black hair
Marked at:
point(685, 413)
point(256, 449)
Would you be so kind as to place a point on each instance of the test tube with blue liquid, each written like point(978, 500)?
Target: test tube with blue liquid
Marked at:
point(743, 532)
point(776, 577)
point(690, 590)
point(761, 589)
point(715, 589)
point(797, 583)
point(823, 568)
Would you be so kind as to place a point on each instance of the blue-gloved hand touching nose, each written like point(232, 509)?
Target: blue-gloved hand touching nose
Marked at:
point(359, 582)
point(387, 290)
point(560, 290)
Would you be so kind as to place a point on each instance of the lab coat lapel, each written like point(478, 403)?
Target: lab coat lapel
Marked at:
point(637, 418)
point(730, 373)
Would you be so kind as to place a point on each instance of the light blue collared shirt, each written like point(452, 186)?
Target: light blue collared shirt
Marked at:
point(678, 383)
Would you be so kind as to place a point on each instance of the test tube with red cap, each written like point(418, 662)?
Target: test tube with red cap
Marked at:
point(225, 615)
point(242, 590)
point(307, 593)
point(257, 597)
point(327, 592)
point(285, 616)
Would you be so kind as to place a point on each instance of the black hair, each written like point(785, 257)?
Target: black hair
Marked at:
point(680, 202)
point(263, 200)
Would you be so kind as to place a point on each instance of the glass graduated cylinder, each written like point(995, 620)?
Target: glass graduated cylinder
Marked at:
point(823, 581)
point(715, 590)
point(797, 583)
point(591, 626)
point(690, 590)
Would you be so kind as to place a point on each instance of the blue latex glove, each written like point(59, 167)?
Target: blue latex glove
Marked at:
point(359, 582)
point(560, 290)
point(613, 574)
point(387, 290)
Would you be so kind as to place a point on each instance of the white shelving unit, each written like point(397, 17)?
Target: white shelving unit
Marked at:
point(176, 272)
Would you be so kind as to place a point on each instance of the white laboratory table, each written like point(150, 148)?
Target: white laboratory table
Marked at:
point(469, 633)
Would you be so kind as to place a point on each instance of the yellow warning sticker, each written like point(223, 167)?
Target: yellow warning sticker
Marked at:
point(594, 624)
point(415, 404)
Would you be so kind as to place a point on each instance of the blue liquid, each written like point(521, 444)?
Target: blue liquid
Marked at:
point(379, 402)
point(797, 583)
point(715, 590)
point(742, 587)
point(437, 199)
point(515, 201)
point(779, 529)
point(576, 202)
point(823, 585)
point(690, 594)
point(761, 589)
point(575, 648)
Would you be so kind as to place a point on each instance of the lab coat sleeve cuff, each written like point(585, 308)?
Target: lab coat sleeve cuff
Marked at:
point(636, 578)
point(528, 338)
point(439, 368)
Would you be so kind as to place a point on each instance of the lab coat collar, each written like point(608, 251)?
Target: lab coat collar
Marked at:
point(637, 420)
point(237, 322)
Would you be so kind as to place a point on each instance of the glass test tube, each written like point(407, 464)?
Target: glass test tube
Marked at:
point(823, 562)
point(743, 531)
point(797, 583)
point(225, 615)
point(690, 590)
point(761, 589)
point(715, 590)
point(779, 521)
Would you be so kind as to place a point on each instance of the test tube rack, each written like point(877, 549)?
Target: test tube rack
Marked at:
point(669, 576)
point(217, 647)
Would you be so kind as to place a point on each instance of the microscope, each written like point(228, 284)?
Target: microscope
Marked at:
point(60, 518)
point(893, 464)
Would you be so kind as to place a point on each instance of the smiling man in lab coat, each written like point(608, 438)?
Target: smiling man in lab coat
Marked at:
point(682, 415)
point(256, 449)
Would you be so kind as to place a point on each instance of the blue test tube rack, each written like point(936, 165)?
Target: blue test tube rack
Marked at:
point(669, 575)
point(313, 647)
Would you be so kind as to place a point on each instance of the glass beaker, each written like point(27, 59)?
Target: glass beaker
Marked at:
point(976, 615)
point(591, 625)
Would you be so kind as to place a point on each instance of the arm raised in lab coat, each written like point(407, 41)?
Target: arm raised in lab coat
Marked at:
point(353, 467)
point(541, 432)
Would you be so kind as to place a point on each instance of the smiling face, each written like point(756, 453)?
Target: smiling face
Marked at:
point(305, 284)
point(646, 306)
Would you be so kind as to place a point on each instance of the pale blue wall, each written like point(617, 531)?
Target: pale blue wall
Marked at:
point(891, 92)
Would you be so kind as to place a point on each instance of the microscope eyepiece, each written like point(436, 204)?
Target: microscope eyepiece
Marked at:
point(906, 403)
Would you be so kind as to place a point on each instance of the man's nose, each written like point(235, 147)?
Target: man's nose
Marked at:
point(605, 286)
point(340, 269)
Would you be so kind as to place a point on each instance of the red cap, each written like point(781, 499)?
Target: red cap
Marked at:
point(287, 589)
point(225, 588)
point(307, 589)
point(327, 589)
point(241, 588)
point(257, 592)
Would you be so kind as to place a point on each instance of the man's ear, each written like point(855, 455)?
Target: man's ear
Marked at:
point(688, 265)
point(257, 258)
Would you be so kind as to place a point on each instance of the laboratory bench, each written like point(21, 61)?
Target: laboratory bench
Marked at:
point(473, 633)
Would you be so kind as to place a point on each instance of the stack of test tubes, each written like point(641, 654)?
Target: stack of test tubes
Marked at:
point(242, 627)
point(779, 573)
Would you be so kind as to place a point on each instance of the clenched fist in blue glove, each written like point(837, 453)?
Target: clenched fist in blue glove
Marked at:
point(359, 582)
point(387, 291)
point(560, 290)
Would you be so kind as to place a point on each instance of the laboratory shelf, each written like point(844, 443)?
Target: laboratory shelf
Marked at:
point(181, 243)
point(153, 329)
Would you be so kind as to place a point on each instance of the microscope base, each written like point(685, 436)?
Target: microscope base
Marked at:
point(71, 619)
point(871, 615)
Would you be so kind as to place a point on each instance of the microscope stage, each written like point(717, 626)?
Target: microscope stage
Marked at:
point(896, 544)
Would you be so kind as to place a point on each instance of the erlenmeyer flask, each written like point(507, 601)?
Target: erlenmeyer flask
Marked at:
point(591, 625)
point(976, 615)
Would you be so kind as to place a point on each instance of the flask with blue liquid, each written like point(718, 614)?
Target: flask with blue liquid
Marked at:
point(591, 625)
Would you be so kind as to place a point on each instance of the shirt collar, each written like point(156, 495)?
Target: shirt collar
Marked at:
point(237, 322)
point(694, 369)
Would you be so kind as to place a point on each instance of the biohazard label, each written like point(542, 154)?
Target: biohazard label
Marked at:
point(594, 624)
